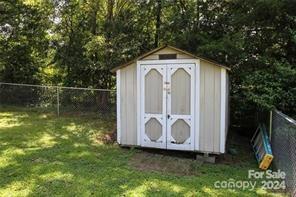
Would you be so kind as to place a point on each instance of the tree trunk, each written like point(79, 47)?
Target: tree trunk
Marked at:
point(94, 12)
point(158, 23)
point(109, 20)
point(108, 29)
point(197, 24)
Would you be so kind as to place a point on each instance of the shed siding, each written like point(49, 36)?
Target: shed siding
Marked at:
point(210, 97)
point(128, 100)
point(167, 50)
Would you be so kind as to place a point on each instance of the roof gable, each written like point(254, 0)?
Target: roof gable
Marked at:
point(170, 50)
point(166, 51)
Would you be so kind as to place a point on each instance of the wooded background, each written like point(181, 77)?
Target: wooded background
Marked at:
point(77, 42)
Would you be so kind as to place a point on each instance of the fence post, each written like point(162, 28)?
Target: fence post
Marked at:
point(58, 101)
point(270, 124)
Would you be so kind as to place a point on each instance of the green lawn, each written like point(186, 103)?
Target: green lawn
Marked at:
point(44, 155)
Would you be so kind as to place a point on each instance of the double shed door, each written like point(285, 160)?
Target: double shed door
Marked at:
point(167, 106)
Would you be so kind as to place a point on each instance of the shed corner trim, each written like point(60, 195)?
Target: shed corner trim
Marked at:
point(118, 110)
point(223, 111)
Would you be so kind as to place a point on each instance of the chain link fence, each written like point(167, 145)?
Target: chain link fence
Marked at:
point(283, 140)
point(58, 100)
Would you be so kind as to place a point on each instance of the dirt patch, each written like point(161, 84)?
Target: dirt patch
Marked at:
point(108, 138)
point(146, 161)
point(184, 163)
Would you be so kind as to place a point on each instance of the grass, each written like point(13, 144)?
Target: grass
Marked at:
point(42, 155)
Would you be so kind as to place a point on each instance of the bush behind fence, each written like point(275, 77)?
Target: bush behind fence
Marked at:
point(57, 99)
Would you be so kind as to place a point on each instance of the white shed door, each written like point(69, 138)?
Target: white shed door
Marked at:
point(167, 106)
point(153, 106)
point(180, 106)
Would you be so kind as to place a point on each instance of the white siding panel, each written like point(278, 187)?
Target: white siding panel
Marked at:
point(217, 93)
point(128, 118)
point(210, 89)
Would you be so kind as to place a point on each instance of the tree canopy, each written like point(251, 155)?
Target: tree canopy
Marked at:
point(77, 42)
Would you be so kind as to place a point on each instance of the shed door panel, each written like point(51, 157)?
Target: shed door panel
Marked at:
point(153, 122)
point(180, 91)
point(153, 92)
point(180, 105)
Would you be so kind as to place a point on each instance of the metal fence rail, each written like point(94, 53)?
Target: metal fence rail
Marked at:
point(283, 142)
point(58, 99)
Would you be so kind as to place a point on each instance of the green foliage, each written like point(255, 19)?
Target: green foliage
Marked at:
point(272, 87)
point(23, 42)
point(77, 42)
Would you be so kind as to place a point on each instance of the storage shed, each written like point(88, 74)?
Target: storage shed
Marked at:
point(171, 99)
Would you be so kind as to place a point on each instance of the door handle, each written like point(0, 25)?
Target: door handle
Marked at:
point(169, 116)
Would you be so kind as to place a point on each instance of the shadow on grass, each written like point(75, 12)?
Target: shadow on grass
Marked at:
point(45, 155)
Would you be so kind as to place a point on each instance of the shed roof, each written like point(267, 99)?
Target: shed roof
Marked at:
point(171, 47)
